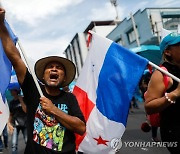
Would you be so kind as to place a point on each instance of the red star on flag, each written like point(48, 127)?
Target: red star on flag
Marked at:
point(101, 141)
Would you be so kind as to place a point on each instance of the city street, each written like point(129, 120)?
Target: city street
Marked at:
point(132, 134)
point(21, 145)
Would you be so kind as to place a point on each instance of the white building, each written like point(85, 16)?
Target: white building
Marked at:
point(77, 49)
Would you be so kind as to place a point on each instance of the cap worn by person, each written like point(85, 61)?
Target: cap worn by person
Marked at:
point(170, 39)
point(69, 67)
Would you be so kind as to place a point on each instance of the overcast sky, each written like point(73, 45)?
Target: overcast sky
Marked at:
point(45, 27)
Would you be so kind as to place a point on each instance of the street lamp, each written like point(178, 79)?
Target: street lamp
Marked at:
point(114, 3)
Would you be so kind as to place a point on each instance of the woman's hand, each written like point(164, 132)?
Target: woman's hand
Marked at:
point(176, 92)
point(10, 127)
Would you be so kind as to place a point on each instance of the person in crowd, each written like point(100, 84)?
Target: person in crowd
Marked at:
point(164, 100)
point(4, 143)
point(153, 118)
point(4, 136)
point(17, 119)
point(131, 105)
point(55, 117)
point(66, 88)
point(1, 145)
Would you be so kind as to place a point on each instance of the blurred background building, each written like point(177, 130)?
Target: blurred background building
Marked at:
point(77, 49)
point(141, 28)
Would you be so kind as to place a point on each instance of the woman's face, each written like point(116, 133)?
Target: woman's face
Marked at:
point(14, 92)
point(173, 51)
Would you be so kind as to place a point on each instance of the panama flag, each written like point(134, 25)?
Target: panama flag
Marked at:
point(104, 90)
point(5, 75)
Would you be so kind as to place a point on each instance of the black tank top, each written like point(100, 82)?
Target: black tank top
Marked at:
point(170, 117)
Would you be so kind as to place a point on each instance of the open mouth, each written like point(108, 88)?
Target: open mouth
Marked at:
point(54, 76)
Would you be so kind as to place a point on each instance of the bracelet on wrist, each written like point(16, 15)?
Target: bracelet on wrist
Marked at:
point(169, 100)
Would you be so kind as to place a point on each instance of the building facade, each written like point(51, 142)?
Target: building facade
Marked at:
point(77, 49)
point(148, 24)
point(143, 27)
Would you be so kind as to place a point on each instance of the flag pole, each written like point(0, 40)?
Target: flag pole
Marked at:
point(31, 70)
point(165, 72)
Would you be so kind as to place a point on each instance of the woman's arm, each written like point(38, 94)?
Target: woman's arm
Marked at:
point(155, 100)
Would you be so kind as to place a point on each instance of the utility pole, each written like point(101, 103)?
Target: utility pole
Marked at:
point(114, 3)
point(135, 30)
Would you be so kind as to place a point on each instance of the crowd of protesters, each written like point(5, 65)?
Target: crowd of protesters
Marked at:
point(161, 97)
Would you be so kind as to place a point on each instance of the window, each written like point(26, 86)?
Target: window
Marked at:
point(131, 35)
point(171, 23)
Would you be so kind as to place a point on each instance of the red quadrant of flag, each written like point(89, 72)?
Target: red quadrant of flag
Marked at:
point(86, 107)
